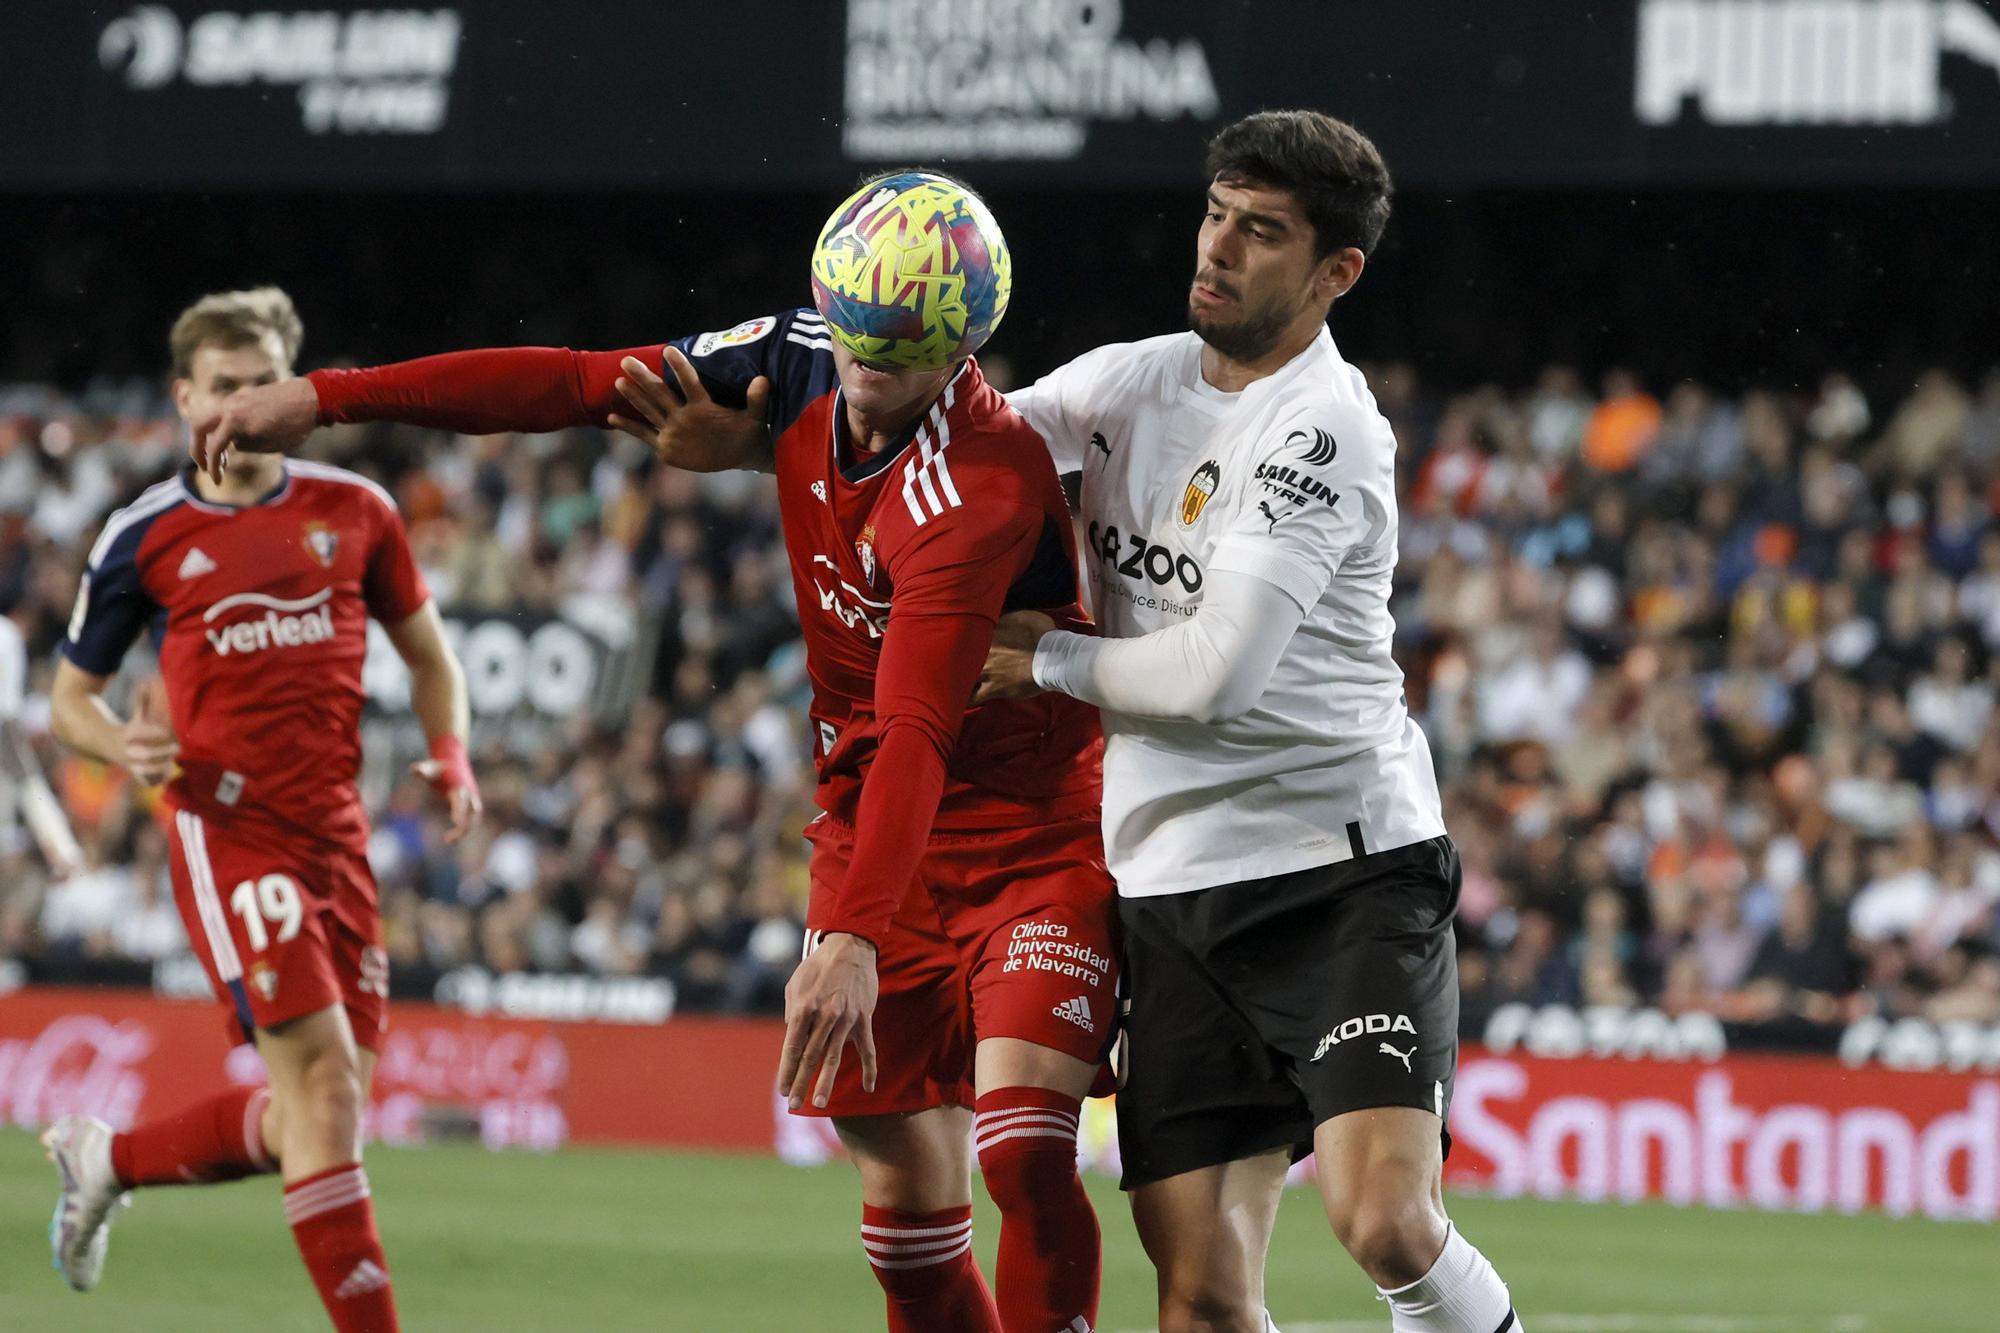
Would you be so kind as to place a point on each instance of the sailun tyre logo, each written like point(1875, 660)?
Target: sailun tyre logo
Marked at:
point(372, 71)
point(1807, 62)
point(284, 624)
point(146, 42)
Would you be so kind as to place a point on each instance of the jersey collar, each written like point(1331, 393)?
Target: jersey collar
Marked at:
point(202, 502)
point(959, 388)
point(1320, 351)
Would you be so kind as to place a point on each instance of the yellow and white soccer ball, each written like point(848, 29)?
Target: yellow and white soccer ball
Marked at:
point(911, 272)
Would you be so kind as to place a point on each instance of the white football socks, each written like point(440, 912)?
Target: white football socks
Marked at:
point(1461, 1294)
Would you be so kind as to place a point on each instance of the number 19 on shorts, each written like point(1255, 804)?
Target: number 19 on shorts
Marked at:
point(274, 898)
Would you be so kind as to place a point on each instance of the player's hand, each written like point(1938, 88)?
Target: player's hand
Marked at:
point(829, 1002)
point(449, 770)
point(266, 419)
point(689, 429)
point(1009, 672)
point(150, 743)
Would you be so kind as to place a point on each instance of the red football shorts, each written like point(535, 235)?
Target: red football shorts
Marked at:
point(285, 927)
point(1004, 934)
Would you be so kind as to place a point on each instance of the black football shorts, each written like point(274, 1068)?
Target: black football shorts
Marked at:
point(1259, 1010)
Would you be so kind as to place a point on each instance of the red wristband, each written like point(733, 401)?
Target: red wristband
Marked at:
point(454, 765)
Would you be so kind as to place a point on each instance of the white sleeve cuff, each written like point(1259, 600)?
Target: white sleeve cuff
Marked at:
point(1062, 657)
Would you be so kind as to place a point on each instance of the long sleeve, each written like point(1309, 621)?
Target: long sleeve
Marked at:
point(951, 580)
point(480, 392)
point(929, 667)
point(1210, 668)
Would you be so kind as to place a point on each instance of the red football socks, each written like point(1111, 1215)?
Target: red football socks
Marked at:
point(218, 1139)
point(334, 1224)
point(1050, 1253)
point(924, 1263)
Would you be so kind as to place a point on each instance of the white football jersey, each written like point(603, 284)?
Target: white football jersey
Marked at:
point(1293, 481)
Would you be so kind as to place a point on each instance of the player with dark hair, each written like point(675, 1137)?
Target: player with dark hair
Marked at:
point(1286, 883)
point(258, 584)
point(961, 918)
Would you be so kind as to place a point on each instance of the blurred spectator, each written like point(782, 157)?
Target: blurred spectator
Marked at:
point(1623, 427)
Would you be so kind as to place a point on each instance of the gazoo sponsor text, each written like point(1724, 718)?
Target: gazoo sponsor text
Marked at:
point(284, 624)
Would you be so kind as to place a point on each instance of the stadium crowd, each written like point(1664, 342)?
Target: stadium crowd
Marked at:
point(1710, 682)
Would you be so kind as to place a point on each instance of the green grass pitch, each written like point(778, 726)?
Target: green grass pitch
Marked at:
point(601, 1242)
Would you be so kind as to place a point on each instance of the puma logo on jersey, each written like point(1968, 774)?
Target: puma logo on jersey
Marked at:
point(1077, 1011)
point(1265, 505)
point(195, 564)
point(1369, 1025)
point(284, 624)
point(1386, 1049)
point(1099, 443)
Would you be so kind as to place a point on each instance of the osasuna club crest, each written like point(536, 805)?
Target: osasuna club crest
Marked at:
point(322, 541)
point(864, 546)
point(1200, 486)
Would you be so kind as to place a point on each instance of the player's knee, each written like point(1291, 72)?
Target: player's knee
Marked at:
point(330, 1095)
point(1393, 1237)
point(1209, 1310)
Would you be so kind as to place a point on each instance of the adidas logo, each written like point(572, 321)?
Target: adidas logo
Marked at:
point(367, 1276)
point(819, 489)
point(196, 563)
point(1076, 1011)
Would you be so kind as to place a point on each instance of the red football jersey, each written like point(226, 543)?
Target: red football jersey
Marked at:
point(966, 517)
point(901, 560)
point(261, 616)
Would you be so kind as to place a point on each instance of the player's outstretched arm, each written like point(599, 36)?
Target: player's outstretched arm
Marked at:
point(144, 746)
point(483, 392)
point(438, 697)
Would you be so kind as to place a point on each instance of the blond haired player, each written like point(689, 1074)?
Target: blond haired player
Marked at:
point(257, 586)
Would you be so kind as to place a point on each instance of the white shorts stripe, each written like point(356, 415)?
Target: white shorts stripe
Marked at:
point(208, 904)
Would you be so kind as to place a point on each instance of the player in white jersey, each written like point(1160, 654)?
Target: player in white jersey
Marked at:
point(1270, 812)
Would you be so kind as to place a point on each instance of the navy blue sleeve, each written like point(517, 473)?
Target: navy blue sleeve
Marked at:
point(791, 349)
point(112, 606)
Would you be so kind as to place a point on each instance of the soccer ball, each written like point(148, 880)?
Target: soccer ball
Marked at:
point(911, 272)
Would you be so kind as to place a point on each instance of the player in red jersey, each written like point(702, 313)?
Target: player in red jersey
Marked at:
point(958, 865)
point(257, 585)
